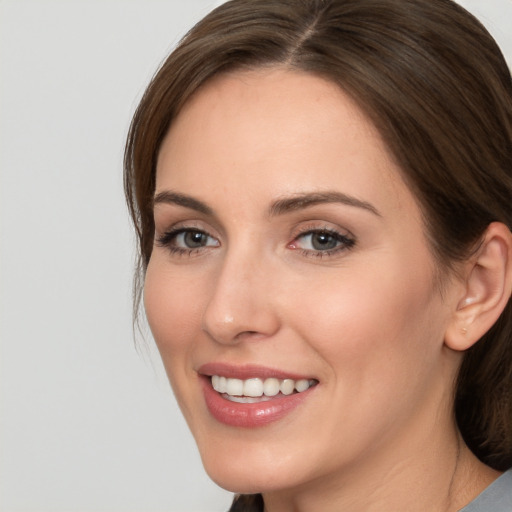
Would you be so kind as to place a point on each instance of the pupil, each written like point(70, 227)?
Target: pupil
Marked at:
point(323, 241)
point(194, 239)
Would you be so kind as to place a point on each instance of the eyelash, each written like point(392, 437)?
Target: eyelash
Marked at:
point(344, 242)
point(168, 240)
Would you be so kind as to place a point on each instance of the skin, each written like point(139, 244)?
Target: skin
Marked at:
point(367, 320)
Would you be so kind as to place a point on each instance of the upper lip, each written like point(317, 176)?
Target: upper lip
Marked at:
point(247, 371)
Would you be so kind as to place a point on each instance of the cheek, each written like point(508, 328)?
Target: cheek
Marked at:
point(373, 327)
point(375, 336)
point(172, 308)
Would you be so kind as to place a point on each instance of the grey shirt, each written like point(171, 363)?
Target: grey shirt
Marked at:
point(496, 498)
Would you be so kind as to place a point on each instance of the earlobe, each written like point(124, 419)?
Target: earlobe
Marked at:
point(487, 290)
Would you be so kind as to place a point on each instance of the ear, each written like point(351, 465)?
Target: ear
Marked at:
point(486, 291)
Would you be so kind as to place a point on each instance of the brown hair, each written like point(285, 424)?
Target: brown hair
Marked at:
point(436, 86)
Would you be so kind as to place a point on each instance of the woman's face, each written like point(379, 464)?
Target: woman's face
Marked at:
point(289, 253)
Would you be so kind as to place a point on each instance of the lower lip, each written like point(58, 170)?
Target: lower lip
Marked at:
point(250, 415)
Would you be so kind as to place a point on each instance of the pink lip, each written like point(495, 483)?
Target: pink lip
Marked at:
point(248, 415)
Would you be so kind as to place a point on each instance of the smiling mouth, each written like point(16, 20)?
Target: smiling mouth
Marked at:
point(256, 390)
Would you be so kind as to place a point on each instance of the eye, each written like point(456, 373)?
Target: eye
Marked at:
point(193, 239)
point(186, 240)
point(321, 242)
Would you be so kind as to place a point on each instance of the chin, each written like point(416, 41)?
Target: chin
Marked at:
point(247, 465)
point(238, 484)
point(249, 468)
point(247, 480)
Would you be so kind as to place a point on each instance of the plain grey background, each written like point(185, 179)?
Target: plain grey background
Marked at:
point(88, 422)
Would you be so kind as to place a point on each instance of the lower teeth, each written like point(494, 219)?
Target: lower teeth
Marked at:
point(247, 399)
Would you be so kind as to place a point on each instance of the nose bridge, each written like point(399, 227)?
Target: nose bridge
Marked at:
point(240, 301)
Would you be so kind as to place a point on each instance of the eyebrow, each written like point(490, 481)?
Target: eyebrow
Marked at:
point(169, 197)
point(300, 201)
point(278, 207)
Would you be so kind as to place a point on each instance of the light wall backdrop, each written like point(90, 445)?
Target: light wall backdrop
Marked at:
point(87, 420)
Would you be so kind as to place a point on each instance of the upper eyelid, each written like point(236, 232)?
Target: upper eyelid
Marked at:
point(185, 216)
point(177, 230)
point(330, 232)
point(183, 225)
point(316, 226)
point(165, 222)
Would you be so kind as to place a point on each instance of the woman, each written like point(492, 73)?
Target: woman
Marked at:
point(322, 194)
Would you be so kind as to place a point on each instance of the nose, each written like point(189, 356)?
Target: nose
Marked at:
point(241, 306)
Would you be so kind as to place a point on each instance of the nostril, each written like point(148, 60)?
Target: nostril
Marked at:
point(249, 335)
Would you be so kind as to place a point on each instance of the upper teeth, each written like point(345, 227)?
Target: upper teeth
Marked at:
point(257, 387)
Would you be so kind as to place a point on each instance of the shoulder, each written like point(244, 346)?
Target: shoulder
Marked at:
point(496, 498)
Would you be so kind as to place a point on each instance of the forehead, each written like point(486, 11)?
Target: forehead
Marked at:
point(272, 132)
